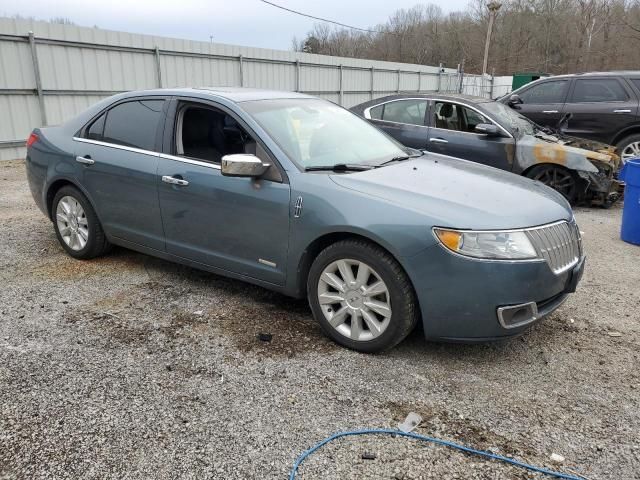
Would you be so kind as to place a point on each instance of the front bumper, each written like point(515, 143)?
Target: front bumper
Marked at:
point(459, 297)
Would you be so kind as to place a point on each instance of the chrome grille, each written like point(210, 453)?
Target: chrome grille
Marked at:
point(559, 244)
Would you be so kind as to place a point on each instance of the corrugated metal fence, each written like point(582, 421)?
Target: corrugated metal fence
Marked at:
point(50, 72)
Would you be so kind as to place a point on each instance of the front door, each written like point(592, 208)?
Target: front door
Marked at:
point(452, 133)
point(240, 225)
point(543, 102)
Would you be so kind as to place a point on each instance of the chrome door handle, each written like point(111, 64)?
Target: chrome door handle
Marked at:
point(438, 140)
point(622, 111)
point(85, 160)
point(174, 181)
point(550, 111)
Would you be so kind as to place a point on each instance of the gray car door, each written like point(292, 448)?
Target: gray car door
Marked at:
point(403, 119)
point(543, 102)
point(119, 158)
point(239, 225)
point(452, 133)
point(600, 108)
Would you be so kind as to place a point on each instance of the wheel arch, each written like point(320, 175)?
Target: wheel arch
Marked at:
point(627, 132)
point(55, 186)
point(319, 244)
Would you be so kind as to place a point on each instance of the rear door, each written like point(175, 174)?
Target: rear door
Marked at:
point(452, 133)
point(544, 101)
point(600, 108)
point(119, 152)
point(403, 119)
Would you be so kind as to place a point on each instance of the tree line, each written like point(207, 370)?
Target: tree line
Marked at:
point(550, 36)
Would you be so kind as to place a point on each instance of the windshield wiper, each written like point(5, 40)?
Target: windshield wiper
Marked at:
point(339, 167)
point(399, 158)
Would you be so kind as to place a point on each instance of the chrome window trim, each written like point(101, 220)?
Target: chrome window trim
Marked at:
point(367, 113)
point(200, 163)
point(117, 146)
point(148, 152)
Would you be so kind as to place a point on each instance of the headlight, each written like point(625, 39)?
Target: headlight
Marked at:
point(492, 245)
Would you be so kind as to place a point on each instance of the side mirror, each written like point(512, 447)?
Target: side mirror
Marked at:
point(242, 165)
point(514, 101)
point(488, 129)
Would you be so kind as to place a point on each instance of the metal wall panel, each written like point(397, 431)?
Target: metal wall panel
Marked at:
point(19, 115)
point(16, 67)
point(198, 72)
point(78, 66)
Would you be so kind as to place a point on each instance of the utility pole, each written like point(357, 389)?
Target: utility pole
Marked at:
point(493, 8)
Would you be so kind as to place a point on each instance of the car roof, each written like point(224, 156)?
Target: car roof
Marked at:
point(614, 73)
point(429, 95)
point(233, 94)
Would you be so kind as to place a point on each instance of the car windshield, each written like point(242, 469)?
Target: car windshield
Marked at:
point(317, 133)
point(511, 119)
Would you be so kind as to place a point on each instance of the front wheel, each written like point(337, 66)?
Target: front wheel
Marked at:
point(361, 296)
point(559, 178)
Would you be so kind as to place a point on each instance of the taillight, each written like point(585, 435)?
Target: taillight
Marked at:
point(33, 138)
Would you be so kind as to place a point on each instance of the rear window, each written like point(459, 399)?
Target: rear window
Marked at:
point(598, 90)
point(132, 124)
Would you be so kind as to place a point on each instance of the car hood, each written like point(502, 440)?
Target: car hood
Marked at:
point(571, 152)
point(461, 194)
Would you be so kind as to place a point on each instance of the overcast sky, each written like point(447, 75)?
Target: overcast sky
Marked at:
point(239, 22)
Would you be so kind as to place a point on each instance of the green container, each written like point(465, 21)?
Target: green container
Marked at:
point(520, 79)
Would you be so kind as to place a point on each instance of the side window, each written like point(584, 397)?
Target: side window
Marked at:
point(134, 124)
point(547, 92)
point(471, 118)
point(208, 134)
point(96, 129)
point(405, 111)
point(446, 116)
point(376, 112)
point(598, 90)
point(636, 82)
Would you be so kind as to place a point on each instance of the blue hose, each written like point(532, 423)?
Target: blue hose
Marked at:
point(417, 436)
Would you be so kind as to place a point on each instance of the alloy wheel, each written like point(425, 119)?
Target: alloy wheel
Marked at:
point(559, 179)
point(354, 299)
point(72, 223)
point(630, 151)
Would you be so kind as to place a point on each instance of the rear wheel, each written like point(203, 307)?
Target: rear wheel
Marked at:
point(557, 177)
point(361, 296)
point(629, 147)
point(76, 224)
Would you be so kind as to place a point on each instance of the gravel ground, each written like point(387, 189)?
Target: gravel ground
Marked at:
point(132, 367)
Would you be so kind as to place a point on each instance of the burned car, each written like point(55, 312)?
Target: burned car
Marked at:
point(493, 134)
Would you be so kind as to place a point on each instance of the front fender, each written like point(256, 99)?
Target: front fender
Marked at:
point(531, 151)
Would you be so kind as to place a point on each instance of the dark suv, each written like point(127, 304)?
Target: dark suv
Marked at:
point(603, 107)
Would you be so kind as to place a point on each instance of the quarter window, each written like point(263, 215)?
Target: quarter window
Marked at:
point(547, 92)
point(95, 131)
point(598, 90)
point(133, 124)
point(409, 111)
point(376, 112)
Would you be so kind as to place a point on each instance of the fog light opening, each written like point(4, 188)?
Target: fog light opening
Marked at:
point(517, 315)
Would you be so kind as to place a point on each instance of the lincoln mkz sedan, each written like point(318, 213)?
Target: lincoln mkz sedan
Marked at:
point(301, 196)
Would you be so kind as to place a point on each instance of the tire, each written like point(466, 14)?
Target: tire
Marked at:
point(559, 178)
point(376, 327)
point(78, 229)
point(629, 147)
